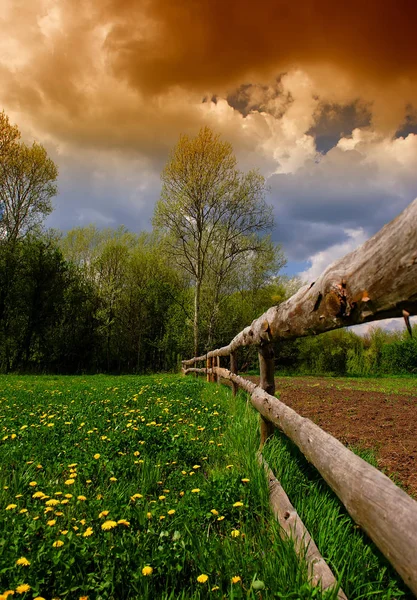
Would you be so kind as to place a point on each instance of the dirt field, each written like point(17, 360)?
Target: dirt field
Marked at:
point(369, 413)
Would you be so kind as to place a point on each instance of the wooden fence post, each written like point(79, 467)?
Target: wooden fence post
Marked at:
point(211, 367)
point(233, 369)
point(267, 383)
point(218, 378)
point(207, 368)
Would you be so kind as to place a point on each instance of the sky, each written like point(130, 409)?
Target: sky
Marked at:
point(320, 96)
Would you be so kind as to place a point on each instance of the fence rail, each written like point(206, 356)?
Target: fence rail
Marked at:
point(376, 281)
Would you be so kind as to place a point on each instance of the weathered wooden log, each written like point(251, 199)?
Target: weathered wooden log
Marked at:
point(292, 527)
point(267, 383)
point(376, 281)
point(385, 512)
point(218, 366)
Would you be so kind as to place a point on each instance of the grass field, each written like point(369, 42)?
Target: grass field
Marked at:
point(148, 487)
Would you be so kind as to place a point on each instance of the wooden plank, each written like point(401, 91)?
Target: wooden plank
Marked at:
point(385, 512)
point(292, 527)
point(376, 281)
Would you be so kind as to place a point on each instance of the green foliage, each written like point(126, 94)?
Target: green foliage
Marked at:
point(343, 352)
point(27, 184)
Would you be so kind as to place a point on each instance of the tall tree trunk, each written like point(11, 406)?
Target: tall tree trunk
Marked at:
point(196, 314)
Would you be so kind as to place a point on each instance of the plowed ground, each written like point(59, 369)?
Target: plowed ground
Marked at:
point(379, 414)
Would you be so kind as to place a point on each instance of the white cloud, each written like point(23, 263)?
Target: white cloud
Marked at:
point(321, 260)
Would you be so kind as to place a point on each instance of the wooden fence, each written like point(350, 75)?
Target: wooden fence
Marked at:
point(376, 281)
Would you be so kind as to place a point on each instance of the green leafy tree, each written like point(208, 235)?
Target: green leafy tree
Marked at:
point(27, 183)
point(212, 213)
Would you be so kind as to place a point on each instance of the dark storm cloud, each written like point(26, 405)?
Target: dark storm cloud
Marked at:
point(333, 121)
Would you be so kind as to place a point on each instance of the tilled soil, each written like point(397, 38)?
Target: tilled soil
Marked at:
point(376, 414)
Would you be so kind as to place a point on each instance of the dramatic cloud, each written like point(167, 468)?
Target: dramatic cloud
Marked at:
point(320, 96)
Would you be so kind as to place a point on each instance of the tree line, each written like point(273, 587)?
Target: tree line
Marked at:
point(110, 300)
point(343, 352)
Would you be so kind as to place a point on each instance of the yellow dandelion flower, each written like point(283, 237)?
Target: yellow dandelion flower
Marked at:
point(72, 465)
point(195, 490)
point(24, 587)
point(65, 501)
point(229, 466)
point(89, 531)
point(19, 496)
point(7, 593)
point(171, 512)
point(182, 494)
point(149, 515)
point(52, 502)
point(82, 521)
point(113, 478)
point(83, 598)
point(81, 498)
point(236, 579)
point(216, 587)
point(238, 504)
point(162, 517)
point(184, 472)
point(51, 522)
point(64, 531)
point(33, 483)
point(136, 453)
point(58, 544)
point(108, 525)
point(147, 571)
point(11, 506)
point(235, 533)
point(39, 598)
point(196, 467)
point(161, 498)
point(23, 511)
point(220, 518)
point(97, 456)
point(103, 513)
point(68, 495)
point(23, 562)
point(202, 578)
point(214, 512)
point(69, 481)
point(123, 522)
point(135, 496)
point(245, 480)
point(38, 495)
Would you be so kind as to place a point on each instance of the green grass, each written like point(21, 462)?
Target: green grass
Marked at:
point(166, 463)
point(169, 463)
point(364, 572)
